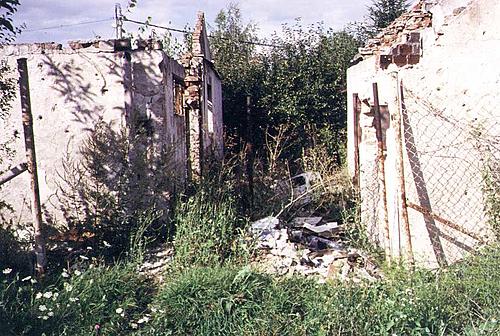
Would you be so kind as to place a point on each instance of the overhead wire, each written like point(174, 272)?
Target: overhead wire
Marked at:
point(68, 25)
point(190, 32)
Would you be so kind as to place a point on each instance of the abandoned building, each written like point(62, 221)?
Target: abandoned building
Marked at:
point(437, 76)
point(175, 107)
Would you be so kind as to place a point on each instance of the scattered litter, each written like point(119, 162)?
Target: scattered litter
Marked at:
point(309, 246)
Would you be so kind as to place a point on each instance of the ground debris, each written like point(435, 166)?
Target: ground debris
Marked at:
point(309, 246)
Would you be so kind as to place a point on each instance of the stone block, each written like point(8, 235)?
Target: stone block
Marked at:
point(416, 49)
point(107, 45)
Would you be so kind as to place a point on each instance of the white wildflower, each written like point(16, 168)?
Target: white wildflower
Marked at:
point(27, 278)
point(47, 295)
point(134, 325)
point(42, 308)
point(45, 317)
point(119, 310)
point(73, 299)
point(67, 287)
point(143, 320)
point(38, 296)
point(65, 274)
point(89, 247)
point(84, 257)
point(78, 273)
point(50, 313)
point(7, 271)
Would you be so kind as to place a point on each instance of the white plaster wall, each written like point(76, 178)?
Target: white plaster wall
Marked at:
point(459, 75)
point(70, 91)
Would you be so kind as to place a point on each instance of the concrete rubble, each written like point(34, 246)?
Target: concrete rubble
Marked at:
point(309, 246)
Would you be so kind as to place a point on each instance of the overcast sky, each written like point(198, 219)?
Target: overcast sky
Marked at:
point(268, 15)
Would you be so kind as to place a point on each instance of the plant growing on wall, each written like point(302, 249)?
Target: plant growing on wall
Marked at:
point(117, 176)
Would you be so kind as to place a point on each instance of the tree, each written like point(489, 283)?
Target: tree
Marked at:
point(7, 29)
point(380, 15)
point(239, 66)
point(382, 12)
point(306, 83)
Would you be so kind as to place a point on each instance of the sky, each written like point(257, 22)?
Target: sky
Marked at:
point(268, 15)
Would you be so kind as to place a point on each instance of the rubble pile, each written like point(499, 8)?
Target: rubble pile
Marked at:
point(309, 246)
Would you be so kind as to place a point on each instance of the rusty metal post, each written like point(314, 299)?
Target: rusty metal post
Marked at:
point(401, 177)
point(381, 165)
point(29, 141)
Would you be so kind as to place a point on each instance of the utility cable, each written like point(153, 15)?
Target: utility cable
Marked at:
point(190, 32)
point(68, 25)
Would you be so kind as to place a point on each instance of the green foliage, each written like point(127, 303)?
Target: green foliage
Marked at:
point(231, 301)
point(117, 178)
point(207, 228)
point(238, 65)
point(7, 89)
point(381, 13)
point(491, 191)
point(8, 30)
point(299, 82)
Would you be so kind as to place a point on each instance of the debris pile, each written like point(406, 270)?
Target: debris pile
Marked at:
point(311, 247)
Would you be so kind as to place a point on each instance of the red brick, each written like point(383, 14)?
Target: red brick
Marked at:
point(413, 59)
point(400, 60)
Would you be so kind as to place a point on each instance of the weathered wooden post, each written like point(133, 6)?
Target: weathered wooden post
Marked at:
point(381, 175)
point(401, 177)
point(356, 111)
point(29, 141)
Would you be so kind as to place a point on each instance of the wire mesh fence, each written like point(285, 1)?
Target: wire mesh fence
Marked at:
point(452, 176)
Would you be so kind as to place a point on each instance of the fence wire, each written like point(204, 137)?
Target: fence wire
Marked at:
point(452, 175)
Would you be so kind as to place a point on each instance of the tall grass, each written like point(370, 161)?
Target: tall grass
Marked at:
point(207, 229)
point(231, 301)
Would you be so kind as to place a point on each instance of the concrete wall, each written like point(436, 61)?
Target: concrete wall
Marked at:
point(450, 120)
point(73, 88)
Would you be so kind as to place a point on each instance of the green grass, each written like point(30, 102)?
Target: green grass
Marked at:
point(234, 301)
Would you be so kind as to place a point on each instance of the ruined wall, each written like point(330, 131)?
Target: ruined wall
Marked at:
point(450, 127)
point(75, 87)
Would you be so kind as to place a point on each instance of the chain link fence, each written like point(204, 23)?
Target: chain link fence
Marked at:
point(451, 175)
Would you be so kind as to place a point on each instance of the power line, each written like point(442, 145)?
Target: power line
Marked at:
point(190, 32)
point(68, 25)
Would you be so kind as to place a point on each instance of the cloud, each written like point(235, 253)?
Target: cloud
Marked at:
point(268, 15)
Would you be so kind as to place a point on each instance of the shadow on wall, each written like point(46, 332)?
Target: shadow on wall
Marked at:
point(115, 177)
point(421, 187)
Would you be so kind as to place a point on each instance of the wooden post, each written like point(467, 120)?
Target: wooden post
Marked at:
point(401, 178)
point(250, 150)
point(29, 141)
point(356, 107)
point(381, 174)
